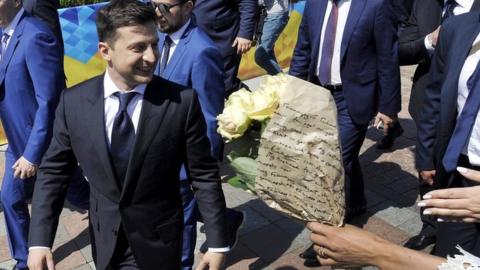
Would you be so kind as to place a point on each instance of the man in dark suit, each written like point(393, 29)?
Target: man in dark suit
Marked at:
point(230, 24)
point(416, 46)
point(349, 48)
point(189, 57)
point(130, 132)
point(448, 130)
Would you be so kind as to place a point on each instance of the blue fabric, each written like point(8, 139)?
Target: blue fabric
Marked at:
point(351, 139)
point(369, 62)
point(197, 63)
point(465, 123)
point(265, 54)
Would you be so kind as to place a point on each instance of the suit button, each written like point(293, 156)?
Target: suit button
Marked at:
point(114, 232)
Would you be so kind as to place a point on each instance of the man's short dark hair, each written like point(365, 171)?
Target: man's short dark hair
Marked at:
point(121, 13)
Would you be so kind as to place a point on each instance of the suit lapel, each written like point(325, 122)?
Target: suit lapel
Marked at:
point(95, 115)
point(179, 51)
point(476, 5)
point(12, 45)
point(354, 13)
point(153, 112)
point(320, 9)
point(465, 40)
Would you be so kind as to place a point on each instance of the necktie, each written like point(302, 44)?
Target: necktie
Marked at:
point(123, 137)
point(465, 123)
point(325, 70)
point(449, 7)
point(5, 38)
point(165, 54)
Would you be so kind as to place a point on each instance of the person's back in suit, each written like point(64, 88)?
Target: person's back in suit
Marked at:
point(230, 24)
point(454, 77)
point(46, 10)
point(358, 64)
point(140, 129)
point(31, 79)
point(415, 47)
point(190, 58)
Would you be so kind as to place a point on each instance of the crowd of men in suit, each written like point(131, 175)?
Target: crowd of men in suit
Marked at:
point(144, 151)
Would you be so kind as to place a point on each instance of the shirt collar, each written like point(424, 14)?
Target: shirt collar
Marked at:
point(110, 88)
point(463, 3)
point(10, 28)
point(177, 35)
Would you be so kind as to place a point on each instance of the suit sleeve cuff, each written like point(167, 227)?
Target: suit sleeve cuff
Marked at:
point(219, 250)
point(37, 247)
point(429, 45)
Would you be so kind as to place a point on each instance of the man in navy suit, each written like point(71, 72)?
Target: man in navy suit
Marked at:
point(31, 79)
point(349, 47)
point(448, 133)
point(46, 10)
point(190, 58)
point(230, 24)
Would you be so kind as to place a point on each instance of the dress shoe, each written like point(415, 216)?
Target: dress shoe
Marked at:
point(308, 253)
point(420, 241)
point(394, 132)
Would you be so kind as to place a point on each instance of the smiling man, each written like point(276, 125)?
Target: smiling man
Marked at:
point(130, 131)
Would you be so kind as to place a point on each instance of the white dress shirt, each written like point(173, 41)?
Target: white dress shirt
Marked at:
point(112, 103)
point(343, 9)
point(472, 148)
point(175, 37)
point(10, 29)
point(463, 6)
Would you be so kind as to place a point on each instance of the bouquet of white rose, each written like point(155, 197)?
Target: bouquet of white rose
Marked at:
point(284, 147)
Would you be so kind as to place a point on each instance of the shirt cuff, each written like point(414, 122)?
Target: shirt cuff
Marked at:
point(219, 250)
point(37, 247)
point(429, 45)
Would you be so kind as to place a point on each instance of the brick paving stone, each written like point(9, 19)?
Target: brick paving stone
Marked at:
point(75, 224)
point(61, 236)
point(83, 244)
point(385, 230)
point(264, 210)
point(67, 256)
point(254, 220)
point(4, 250)
point(7, 265)
point(291, 261)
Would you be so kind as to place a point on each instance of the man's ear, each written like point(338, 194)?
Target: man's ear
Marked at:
point(104, 50)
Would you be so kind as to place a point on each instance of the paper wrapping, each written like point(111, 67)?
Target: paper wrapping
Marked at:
point(299, 162)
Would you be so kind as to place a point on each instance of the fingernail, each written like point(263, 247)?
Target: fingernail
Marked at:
point(462, 170)
point(440, 220)
point(421, 204)
point(427, 196)
point(427, 212)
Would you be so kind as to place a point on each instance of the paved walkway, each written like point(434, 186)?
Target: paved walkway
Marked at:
point(268, 239)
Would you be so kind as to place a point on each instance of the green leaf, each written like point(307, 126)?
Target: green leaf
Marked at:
point(246, 170)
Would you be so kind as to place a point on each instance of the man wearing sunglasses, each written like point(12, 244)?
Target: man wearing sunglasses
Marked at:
point(190, 58)
point(230, 24)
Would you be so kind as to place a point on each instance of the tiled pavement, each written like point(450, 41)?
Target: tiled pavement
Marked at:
point(268, 239)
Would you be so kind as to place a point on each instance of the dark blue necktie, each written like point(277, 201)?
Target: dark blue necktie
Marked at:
point(123, 137)
point(465, 123)
point(449, 7)
point(325, 70)
point(165, 54)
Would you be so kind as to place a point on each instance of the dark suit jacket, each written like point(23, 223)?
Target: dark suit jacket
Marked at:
point(30, 84)
point(425, 18)
point(171, 131)
point(46, 10)
point(224, 20)
point(369, 62)
point(439, 112)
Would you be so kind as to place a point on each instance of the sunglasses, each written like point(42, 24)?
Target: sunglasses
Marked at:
point(165, 8)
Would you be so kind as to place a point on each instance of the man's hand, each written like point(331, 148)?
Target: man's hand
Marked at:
point(427, 176)
point(38, 258)
point(242, 44)
point(433, 37)
point(211, 261)
point(385, 119)
point(24, 169)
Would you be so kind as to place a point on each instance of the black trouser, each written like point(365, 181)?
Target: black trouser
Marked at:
point(122, 258)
